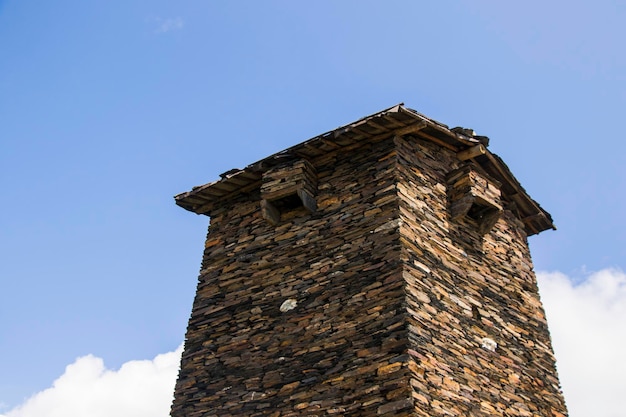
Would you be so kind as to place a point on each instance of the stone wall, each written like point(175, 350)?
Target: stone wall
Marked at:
point(343, 285)
point(479, 342)
point(304, 317)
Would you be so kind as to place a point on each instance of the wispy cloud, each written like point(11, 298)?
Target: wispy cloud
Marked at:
point(140, 388)
point(168, 24)
point(588, 333)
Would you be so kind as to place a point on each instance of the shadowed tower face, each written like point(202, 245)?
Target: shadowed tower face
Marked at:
point(378, 269)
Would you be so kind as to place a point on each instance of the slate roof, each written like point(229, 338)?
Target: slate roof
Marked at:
point(396, 120)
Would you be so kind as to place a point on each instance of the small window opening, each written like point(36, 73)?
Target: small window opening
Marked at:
point(287, 188)
point(478, 212)
point(287, 203)
point(475, 197)
point(275, 210)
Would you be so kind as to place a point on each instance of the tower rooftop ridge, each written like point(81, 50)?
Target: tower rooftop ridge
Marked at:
point(397, 120)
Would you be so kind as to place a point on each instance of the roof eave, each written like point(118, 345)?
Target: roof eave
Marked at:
point(396, 120)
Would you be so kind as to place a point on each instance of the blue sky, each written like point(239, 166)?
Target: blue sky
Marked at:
point(108, 109)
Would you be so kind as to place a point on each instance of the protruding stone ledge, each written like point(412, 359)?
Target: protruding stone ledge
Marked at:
point(474, 196)
point(287, 187)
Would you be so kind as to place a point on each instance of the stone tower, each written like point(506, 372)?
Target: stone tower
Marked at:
point(381, 268)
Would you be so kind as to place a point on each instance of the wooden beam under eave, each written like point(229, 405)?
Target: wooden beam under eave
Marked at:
point(437, 141)
point(381, 129)
point(330, 144)
point(472, 152)
point(407, 130)
point(211, 198)
point(204, 209)
point(394, 123)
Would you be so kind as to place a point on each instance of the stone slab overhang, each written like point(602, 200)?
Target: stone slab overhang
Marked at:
point(394, 121)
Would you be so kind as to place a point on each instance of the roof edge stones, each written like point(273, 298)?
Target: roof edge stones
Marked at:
point(397, 120)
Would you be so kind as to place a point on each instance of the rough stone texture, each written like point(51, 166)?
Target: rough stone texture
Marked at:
point(342, 349)
point(463, 287)
point(386, 300)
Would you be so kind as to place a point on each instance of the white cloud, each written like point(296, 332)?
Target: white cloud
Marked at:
point(587, 323)
point(588, 327)
point(169, 24)
point(140, 388)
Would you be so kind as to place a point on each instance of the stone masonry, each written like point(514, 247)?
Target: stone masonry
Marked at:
point(379, 269)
